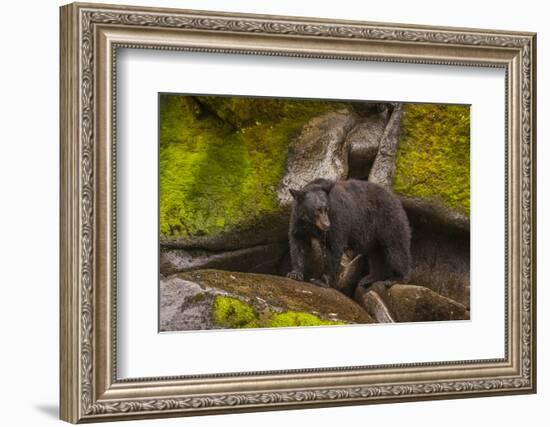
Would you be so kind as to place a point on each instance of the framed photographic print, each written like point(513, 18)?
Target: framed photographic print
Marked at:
point(265, 212)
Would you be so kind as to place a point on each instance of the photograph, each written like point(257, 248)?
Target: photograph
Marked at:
point(262, 212)
point(283, 212)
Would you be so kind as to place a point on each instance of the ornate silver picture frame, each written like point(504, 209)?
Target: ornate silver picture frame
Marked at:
point(91, 34)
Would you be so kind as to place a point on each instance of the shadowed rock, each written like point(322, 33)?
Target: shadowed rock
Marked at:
point(441, 253)
point(364, 140)
point(431, 212)
point(257, 259)
point(263, 230)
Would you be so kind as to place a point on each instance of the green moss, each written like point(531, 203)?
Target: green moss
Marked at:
point(296, 318)
point(433, 159)
point(221, 158)
point(233, 313)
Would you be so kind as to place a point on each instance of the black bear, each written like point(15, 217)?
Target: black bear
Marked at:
point(357, 215)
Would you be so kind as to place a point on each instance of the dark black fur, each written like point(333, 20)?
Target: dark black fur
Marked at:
point(364, 217)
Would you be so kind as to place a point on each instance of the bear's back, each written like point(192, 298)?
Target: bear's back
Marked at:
point(369, 204)
point(365, 193)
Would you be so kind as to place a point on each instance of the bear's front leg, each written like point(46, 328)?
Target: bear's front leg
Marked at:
point(297, 258)
point(295, 275)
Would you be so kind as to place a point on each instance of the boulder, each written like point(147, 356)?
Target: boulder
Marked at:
point(184, 305)
point(217, 299)
point(409, 303)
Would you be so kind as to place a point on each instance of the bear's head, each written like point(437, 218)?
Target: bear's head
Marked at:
point(312, 208)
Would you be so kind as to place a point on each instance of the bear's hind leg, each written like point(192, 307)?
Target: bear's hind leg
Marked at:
point(297, 258)
point(377, 268)
point(398, 260)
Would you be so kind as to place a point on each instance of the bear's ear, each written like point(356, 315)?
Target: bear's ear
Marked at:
point(297, 194)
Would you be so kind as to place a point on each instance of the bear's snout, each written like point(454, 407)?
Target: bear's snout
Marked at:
point(322, 222)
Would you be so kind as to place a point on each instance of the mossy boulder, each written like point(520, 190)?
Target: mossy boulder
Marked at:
point(433, 158)
point(217, 299)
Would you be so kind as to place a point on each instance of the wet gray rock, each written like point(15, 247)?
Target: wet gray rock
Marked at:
point(319, 151)
point(185, 305)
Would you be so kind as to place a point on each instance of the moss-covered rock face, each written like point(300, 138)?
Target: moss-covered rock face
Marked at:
point(433, 159)
point(221, 159)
